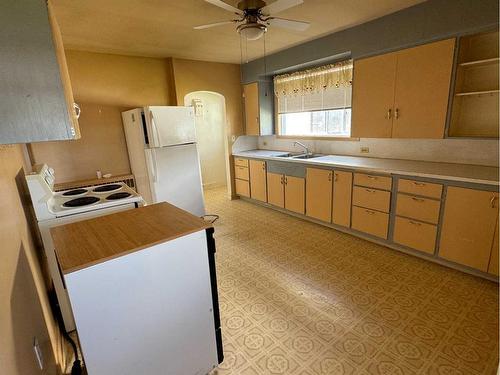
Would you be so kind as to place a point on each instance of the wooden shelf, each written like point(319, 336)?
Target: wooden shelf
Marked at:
point(475, 93)
point(494, 60)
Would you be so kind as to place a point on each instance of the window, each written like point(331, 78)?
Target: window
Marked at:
point(315, 102)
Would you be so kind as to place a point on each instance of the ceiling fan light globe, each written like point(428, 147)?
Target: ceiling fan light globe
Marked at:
point(252, 32)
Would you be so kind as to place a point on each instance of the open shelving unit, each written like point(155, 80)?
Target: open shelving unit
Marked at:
point(476, 97)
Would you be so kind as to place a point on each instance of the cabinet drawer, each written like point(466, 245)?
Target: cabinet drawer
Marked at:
point(241, 172)
point(418, 208)
point(241, 162)
point(374, 181)
point(371, 198)
point(414, 234)
point(369, 221)
point(242, 187)
point(425, 189)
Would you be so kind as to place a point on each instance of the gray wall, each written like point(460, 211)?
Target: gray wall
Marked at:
point(422, 23)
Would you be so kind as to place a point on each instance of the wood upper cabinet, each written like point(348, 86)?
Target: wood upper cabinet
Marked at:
point(493, 266)
point(423, 77)
point(403, 94)
point(259, 108)
point(342, 196)
point(295, 194)
point(258, 185)
point(36, 102)
point(469, 222)
point(276, 189)
point(374, 82)
point(319, 194)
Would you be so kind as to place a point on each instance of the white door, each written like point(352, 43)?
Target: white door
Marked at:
point(175, 177)
point(169, 126)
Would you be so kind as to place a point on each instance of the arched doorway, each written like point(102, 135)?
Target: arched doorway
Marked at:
point(210, 120)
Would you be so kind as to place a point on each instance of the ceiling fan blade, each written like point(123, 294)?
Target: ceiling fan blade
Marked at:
point(223, 5)
point(279, 6)
point(288, 24)
point(207, 26)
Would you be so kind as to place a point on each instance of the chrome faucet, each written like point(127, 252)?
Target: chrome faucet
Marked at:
point(302, 145)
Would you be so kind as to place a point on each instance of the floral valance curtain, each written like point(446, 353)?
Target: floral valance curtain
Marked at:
point(305, 82)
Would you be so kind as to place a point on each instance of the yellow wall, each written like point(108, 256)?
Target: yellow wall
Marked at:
point(101, 147)
point(105, 85)
point(124, 81)
point(222, 78)
point(24, 311)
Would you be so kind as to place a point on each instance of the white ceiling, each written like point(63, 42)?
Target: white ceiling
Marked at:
point(164, 28)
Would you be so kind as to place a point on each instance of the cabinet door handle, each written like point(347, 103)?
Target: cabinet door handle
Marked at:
point(329, 176)
point(415, 223)
point(282, 180)
point(492, 201)
point(370, 212)
point(370, 191)
point(286, 181)
point(263, 166)
point(417, 199)
point(78, 110)
point(336, 177)
point(389, 113)
point(372, 177)
point(418, 183)
point(396, 113)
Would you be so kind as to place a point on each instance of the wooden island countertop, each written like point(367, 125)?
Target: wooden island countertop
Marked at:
point(85, 243)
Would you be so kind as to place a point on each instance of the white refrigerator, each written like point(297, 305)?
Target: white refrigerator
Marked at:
point(163, 154)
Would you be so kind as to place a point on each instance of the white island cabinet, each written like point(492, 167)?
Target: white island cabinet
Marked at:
point(143, 291)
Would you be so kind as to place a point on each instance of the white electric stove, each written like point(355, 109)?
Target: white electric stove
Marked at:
point(64, 207)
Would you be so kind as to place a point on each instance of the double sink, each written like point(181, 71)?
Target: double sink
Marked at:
point(299, 156)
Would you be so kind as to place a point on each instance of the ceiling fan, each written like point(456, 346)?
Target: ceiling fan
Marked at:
point(255, 16)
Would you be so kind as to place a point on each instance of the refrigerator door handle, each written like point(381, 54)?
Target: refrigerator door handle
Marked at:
point(152, 162)
point(155, 166)
point(155, 130)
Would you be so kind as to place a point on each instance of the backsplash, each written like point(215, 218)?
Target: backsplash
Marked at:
point(465, 151)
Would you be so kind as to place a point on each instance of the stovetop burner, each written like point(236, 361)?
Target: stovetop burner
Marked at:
point(82, 201)
point(74, 192)
point(106, 188)
point(118, 196)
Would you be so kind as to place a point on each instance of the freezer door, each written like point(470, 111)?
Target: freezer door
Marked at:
point(175, 177)
point(168, 126)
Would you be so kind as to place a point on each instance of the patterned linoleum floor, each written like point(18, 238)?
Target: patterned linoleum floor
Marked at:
point(300, 298)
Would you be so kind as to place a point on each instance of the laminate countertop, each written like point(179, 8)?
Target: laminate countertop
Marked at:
point(85, 243)
point(444, 171)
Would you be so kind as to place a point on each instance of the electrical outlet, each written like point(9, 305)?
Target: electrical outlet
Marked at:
point(264, 143)
point(364, 150)
point(233, 138)
point(38, 353)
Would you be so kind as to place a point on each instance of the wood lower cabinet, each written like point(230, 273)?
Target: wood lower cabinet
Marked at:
point(422, 209)
point(295, 194)
point(319, 194)
point(415, 234)
point(470, 219)
point(493, 266)
point(286, 192)
point(342, 196)
point(370, 221)
point(258, 180)
point(276, 189)
point(242, 188)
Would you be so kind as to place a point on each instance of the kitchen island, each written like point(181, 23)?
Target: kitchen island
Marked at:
point(143, 291)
